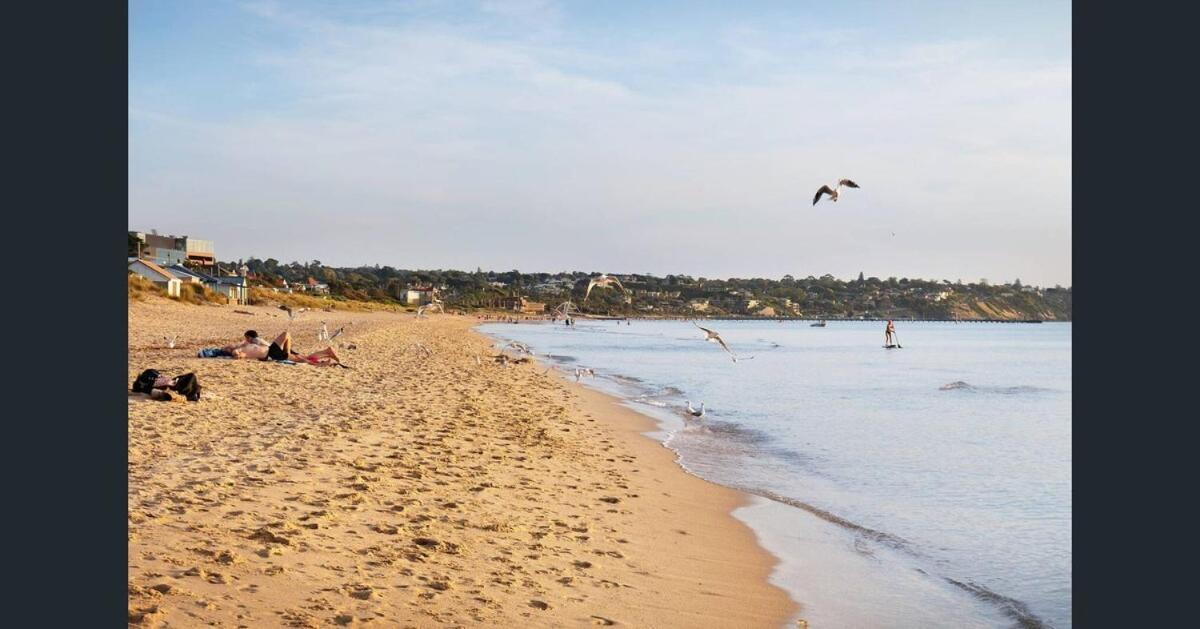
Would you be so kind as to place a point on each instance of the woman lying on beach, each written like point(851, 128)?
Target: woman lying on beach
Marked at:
point(279, 349)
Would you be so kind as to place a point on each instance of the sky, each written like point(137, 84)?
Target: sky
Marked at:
point(620, 137)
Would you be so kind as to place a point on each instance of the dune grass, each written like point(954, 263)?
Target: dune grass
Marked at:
point(140, 288)
point(267, 297)
point(199, 294)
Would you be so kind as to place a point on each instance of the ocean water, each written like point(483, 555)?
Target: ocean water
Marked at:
point(925, 486)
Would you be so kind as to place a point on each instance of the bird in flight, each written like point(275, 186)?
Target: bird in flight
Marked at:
point(713, 337)
point(693, 412)
point(430, 306)
point(835, 191)
point(520, 347)
point(604, 281)
point(584, 371)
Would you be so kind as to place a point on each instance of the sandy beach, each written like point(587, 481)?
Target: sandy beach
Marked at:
point(426, 486)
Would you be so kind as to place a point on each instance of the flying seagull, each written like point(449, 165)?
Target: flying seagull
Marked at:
point(564, 309)
point(603, 281)
point(337, 333)
point(693, 412)
point(716, 338)
point(520, 347)
point(584, 371)
point(292, 314)
point(430, 306)
point(834, 191)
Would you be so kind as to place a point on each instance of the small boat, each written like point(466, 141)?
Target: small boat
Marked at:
point(819, 324)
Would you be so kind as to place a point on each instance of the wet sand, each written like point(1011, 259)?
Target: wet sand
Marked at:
point(427, 486)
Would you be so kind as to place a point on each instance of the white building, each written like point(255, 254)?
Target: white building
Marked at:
point(158, 275)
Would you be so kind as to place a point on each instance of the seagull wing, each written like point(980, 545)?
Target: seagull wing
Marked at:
point(591, 284)
point(336, 333)
point(847, 183)
point(725, 347)
point(619, 284)
point(823, 190)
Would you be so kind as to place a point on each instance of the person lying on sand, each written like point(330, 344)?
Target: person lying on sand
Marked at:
point(279, 349)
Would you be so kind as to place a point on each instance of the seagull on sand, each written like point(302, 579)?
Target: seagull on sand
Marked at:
point(323, 333)
point(337, 333)
point(693, 412)
point(835, 191)
point(716, 338)
point(604, 281)
point(170, 341)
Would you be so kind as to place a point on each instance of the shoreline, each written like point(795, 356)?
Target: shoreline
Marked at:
point(415, 489)
point(724, 539)
point(799, 536)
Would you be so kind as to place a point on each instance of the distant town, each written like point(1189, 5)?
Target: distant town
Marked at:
point(179, 264)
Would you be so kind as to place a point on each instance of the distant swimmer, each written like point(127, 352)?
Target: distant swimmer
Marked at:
point(835, 191)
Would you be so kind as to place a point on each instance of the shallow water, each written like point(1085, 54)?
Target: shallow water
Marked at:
point(923, 486)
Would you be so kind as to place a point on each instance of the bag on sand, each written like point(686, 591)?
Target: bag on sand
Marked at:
point(189, 386)
point(145, 381)
point(186, 385)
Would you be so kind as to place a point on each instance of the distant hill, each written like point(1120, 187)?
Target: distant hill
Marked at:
point(681, 295)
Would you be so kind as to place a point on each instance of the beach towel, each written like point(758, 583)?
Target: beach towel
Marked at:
point(212, 352)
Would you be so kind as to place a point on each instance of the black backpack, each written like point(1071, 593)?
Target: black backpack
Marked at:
point(186, 385)
point(145, 381)
point(189, 386)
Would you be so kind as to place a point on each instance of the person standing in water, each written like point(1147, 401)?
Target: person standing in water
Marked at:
point(889, 334)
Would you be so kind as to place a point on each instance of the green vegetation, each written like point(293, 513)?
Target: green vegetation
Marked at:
point(681, 295)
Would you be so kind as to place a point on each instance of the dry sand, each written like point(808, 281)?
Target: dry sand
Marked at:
point(416, 489)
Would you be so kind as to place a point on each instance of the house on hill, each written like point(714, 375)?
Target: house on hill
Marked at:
point(169, 250)
point(312, 286)
point(161, 277)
